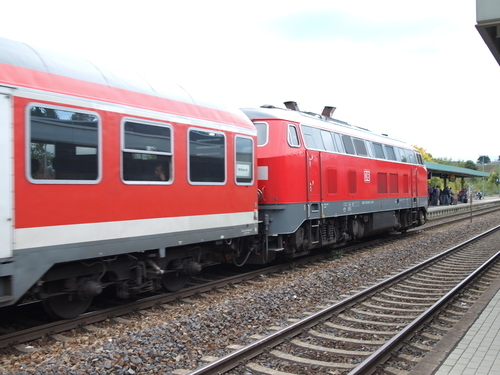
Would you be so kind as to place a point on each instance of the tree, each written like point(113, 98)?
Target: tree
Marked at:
point(425, 155)
point(44, 112)
point(470, 165)
point(483, 159)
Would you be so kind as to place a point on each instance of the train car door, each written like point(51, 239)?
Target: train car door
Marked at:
point(5, 176)
point(313, 176)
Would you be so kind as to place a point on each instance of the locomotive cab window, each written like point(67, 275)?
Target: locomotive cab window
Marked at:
point(207, 157)
point(244, 160)
point(419, 159)
point(146, 152)
point(262, 133)
point(293, 136)
point(63, 145)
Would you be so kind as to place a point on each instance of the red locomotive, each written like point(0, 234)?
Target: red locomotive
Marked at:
point(118, 183)
point(324, 182)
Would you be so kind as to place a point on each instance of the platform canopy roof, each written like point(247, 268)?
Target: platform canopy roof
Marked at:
point(447, 171)
point(488, 24)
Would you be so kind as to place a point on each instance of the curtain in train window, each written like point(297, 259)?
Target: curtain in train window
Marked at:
point(293, 136)
point(64, 145)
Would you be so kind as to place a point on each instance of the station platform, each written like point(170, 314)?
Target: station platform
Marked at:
point(435, 211)
point(472, 347)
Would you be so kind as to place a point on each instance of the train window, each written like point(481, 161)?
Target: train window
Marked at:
point(293, 136)
point(244, 160)
point(63, 145)
point(312, 138)
point(262, 133)
point(338, 143)
point(327, 138)
point(360, 147)
point(349, 147)
point(146, 152)
point(379, 151)
point(419, 159)
point(401, 155)
point(207, 157)
point(389, 151)
point(410, 156)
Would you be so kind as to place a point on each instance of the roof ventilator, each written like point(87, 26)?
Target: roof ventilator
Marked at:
point(292, 105)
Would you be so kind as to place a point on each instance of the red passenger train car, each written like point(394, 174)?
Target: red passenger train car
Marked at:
point(113, 182)
point(325, 182)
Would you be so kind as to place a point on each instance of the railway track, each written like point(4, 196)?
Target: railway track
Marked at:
point(20, 326)
point(359, 334)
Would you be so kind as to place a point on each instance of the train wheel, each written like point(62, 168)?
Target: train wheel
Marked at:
point(174, 281)
point(421, 218)
point(66, 306)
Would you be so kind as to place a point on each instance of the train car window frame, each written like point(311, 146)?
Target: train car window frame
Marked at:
point(420, 160)
point(206, 173)
point(360, 147)
point(243, 168)
point(390, 152)
point(78, 166)
point(312, 138)
point(146, 164)
point(410, 156)
point(378, 150)
point(328, 141)
point(262, 132)
point(339, 143)
point(293, 136)
point(348, 145)
point(402, 155)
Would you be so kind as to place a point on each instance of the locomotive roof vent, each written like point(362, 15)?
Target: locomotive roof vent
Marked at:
point(292, 105)
point(328, 111)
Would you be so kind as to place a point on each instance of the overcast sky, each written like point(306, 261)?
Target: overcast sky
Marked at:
point(416, 70)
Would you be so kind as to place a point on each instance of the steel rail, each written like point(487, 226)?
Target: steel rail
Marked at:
point(250, 351)
point(369, 365)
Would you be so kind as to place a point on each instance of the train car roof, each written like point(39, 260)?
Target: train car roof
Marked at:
point(38, 59)
point(310, 118)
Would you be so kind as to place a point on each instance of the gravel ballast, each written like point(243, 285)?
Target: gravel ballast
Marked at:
point(161, 340)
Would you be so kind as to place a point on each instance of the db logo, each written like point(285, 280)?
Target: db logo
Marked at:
point(367, 176)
